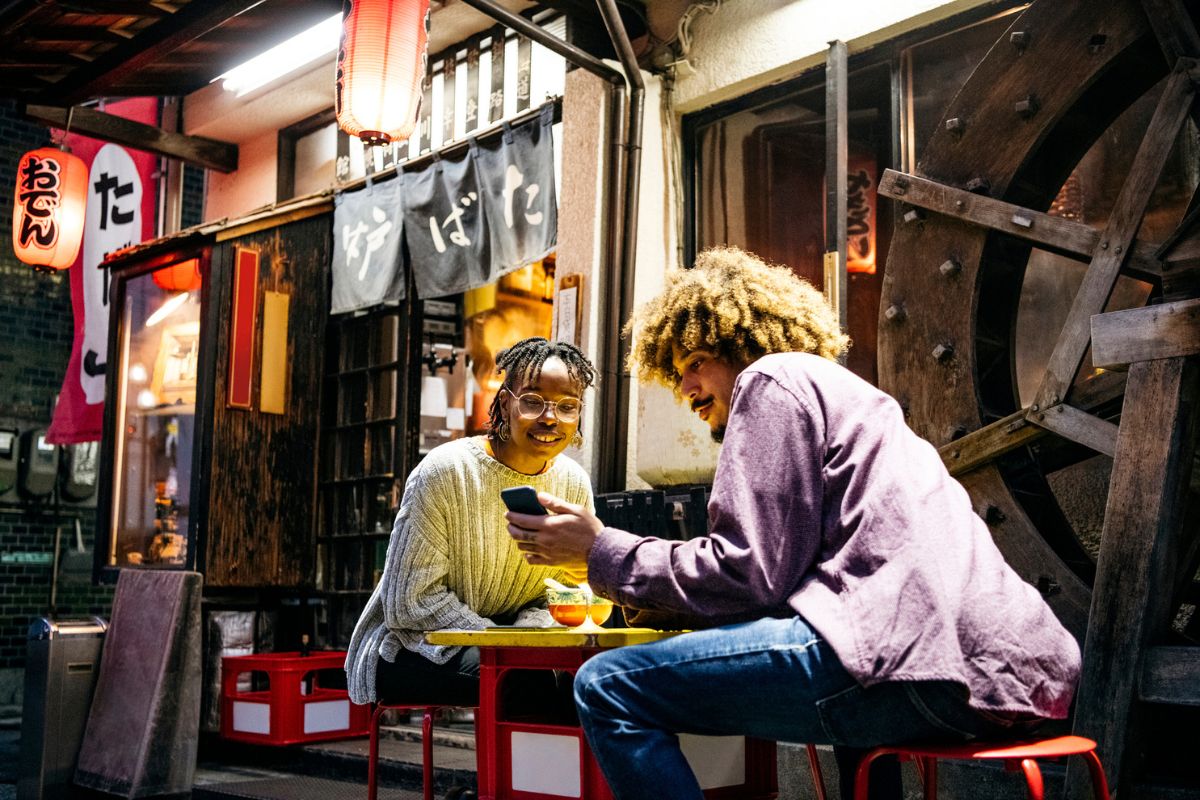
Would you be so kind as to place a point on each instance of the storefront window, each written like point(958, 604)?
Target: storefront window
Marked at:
point(760, 185)
point(159, 349)
point(458, 384)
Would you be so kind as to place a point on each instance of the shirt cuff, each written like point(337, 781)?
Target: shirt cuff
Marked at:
point(609, 553)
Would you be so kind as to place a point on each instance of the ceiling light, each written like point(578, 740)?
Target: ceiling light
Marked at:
point(166, 309)
point(301, 50)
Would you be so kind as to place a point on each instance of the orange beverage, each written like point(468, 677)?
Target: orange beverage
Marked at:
point(570, 614)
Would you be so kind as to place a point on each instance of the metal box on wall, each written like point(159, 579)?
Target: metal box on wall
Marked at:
point(61, 665)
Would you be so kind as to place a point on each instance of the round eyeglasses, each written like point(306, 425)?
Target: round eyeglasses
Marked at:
point(532, 406)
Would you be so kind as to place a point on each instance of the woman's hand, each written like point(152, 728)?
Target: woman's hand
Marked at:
point(564, 538)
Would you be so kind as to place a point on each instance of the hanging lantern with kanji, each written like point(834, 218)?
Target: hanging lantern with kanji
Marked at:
point(380, 67)
point(181, 277)
point(48, 208)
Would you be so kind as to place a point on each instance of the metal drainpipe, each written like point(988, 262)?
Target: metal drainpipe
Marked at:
point(614, 385)
point(614, 434)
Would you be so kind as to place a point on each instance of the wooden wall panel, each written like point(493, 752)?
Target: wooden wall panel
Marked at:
point(262, 498)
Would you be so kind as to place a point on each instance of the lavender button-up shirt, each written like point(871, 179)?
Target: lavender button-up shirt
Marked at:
point(826, 505)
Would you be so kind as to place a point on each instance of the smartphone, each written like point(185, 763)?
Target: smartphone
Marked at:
point(522, 499)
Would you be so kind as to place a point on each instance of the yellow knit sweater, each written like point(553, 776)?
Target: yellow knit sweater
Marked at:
point(451, 563)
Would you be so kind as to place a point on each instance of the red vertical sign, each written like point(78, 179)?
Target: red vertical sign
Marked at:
point(242, 327)
point(122, 195)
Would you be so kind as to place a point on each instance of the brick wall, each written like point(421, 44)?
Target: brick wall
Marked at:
point(36, 330)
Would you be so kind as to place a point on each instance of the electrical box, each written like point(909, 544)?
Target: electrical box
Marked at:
point(81, 466)
point(8, 459)
point(39, 464)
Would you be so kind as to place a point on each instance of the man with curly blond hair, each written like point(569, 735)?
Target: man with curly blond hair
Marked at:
point(846, 592)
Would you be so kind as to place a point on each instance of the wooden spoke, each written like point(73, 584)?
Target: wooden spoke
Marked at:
point(1172, 26)
point(1143, 334)
point(985, 445)
point(1049, 232)
point(1171, 675)
point(1080, 427)
point(1123, 223)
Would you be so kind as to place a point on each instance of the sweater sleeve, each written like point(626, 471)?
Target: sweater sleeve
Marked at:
point(764, 519)
point(418, 563)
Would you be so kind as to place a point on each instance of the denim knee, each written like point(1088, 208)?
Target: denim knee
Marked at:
point(589, 683)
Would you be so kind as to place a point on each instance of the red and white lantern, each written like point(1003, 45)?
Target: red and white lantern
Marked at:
point(380, 67)
point(48, 208)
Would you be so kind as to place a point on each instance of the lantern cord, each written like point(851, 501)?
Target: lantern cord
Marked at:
point(62, 143)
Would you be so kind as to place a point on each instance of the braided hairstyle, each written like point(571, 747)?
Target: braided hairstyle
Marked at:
point(525, 359)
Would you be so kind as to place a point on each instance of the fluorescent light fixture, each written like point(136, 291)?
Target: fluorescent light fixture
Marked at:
point(167, 309)
point(302, 49)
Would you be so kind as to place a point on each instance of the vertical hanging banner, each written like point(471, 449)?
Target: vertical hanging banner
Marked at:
point(516, 173)
point(242, 324)
point(368, 268)
point(120, 212)
point(446, 228)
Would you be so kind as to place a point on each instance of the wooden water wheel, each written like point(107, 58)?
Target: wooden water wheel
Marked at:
point(969, 217)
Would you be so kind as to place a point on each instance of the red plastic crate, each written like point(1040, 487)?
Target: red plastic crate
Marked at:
point(285, 713)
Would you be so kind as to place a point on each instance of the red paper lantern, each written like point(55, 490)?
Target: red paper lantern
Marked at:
point(181, 277)
point(48, 207)
point(381, 64)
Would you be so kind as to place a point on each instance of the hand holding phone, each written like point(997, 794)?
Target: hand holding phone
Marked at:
point(522, 500)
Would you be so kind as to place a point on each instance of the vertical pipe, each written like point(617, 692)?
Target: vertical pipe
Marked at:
point(836, 168)
point(614, 457)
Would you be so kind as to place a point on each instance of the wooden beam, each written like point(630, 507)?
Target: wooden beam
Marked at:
point(988, 443)
point(163, 37)
point(1171, 675)
point(198, 150)
point(1120, 338)
point(1172, 26)
point(1078, 426)
point(1123, 223)
point(1140, 546)
point(1048, 232)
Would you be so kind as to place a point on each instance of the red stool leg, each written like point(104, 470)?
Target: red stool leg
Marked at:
point(862, 775)
point(814, 764)
point(1099, 782)
point(373, 756)
point(1033, 778)
point(426, 753)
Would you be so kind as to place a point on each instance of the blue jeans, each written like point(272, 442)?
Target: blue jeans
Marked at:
point(771, 679)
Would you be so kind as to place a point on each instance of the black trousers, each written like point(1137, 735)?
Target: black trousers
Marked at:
point(525, 694)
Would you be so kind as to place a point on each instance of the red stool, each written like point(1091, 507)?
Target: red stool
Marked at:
point(426, 747)
point(1015, 755)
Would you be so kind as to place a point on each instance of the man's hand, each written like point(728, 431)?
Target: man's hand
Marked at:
point(562, 539)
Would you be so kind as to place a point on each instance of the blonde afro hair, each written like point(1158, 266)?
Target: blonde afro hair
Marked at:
point(735, 305)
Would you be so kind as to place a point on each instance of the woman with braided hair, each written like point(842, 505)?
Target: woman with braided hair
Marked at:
point(450, 562)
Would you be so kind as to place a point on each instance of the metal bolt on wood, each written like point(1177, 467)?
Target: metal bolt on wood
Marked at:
point(895, 313)
point(1022, 221)
point(950, 268)
point(955, 125)
point(943, 352)
point(1096, 43)
point(1019, 40)
point(1027, 107)
point(993, 515)
point(913, 215)
point(901, 186)
point(960, 205)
